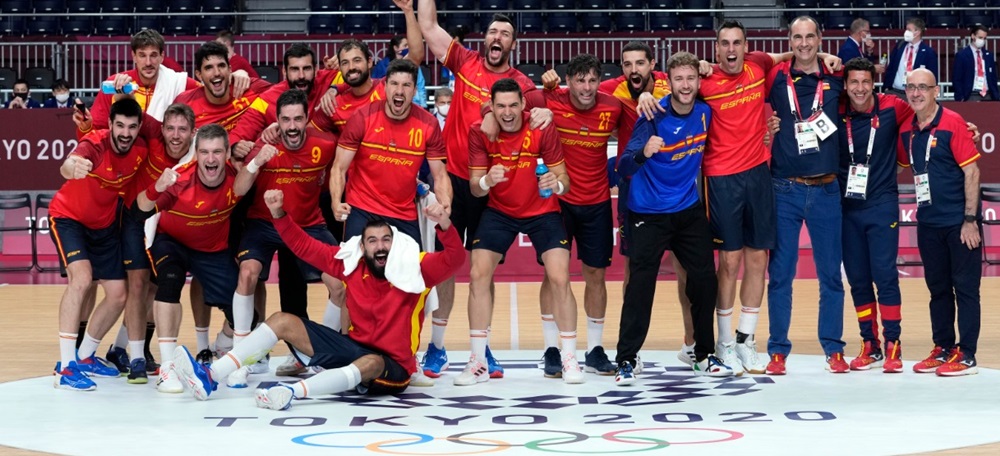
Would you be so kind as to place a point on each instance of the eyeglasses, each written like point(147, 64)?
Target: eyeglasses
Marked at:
point(922, 88)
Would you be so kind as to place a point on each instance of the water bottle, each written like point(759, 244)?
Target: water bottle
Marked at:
point(423, 189)
point(540, 171)
point(108, 87)
point(884, 60)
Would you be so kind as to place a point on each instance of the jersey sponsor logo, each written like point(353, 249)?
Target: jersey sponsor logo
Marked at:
point(295, 180)
point(73, 254)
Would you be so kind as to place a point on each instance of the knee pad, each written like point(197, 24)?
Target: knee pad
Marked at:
point(170, 278)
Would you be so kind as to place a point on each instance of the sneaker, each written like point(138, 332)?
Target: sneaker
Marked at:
point(686, 354)
point(958, 364)
point(238, 379)
point(835, 363)
point(870, 356)
point(194, 376)
point(137, 372)
point(893, 358)
point(290, 368)
point(747, 355)
point(777, 365)
point(934, 360)
point(204, 357)
point(596, 361)
point(571, 372)
point(167, 382)
point(712, 366)
point(262, 366)
point(419, 379)
point(152, 367)
point(97, 367)
point(475, 372)
point(71, 378)
point(435, 361)
point(552, 363)
point(119, 357)
point(496, 370)
point(277, 397)
point(625, 374)
point(727, 353)
point(223, 344)
point(637, 368)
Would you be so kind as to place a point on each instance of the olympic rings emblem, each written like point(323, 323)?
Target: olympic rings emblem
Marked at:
point(632, 443)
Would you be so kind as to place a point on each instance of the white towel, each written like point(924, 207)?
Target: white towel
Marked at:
point(169, 84)
point(149, 229)
point(428, 236)
point(402, 268)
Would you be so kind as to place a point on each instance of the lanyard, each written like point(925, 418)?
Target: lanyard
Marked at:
point(793, 101)
point(871, 137)
point(927, 153)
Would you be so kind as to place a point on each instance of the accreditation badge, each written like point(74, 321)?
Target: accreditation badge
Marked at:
point(806, 138)
point(922, 184)
point(857, 182)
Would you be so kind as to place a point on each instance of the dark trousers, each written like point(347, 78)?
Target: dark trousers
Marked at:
point(688, 235)
point(953, 273)
point(871, 245)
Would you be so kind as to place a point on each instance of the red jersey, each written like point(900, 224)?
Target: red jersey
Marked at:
point(299, 174)
point(226, 114)
point(238, 62)
point(736, 135)
point(101, 108)
point(93, 200)
point(619, 87)
point(156, 161)
point(349, 104)
point(472, 90)
point(383, 317)
point(584, 138)
point(388, 156)
point(517, 197)
point(263, 110)
point(195, 215)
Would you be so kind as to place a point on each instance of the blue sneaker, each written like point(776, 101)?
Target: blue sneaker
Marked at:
point(193, 375)
point(137, 372)
point(72, 379)
point(97, 367)
point(597, 361)
point(119, 357)
point(624, 376)
point(277, 397)
point(496, 370)
point(435, 361)
point(553, 363)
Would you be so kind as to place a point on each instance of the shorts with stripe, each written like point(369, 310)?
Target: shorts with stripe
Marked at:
point(217, 271)
point(75, 242)
point(591, 226)
point(332, 350)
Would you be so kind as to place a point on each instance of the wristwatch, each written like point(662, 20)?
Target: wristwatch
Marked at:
point(970, 218)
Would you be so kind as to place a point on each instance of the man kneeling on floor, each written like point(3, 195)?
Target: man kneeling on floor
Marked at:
point(385, 299)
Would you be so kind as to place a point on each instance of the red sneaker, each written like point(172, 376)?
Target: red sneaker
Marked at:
point(930, 364)
point(870, 356)
point(777, 365)
point(893, 358)
point(958, 364)
point(835, 363)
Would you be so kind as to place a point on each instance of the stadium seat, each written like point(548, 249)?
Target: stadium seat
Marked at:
point(326, 5)
point(43, 26)
point(971, 18)
point(561, 71)
point(83, 6)
point(530, 22)
point(560, 4)
point(49, 6)
point(498, 5)
point(527, 5)
point(881, 21)
point(452, 21)
point(7, 78)
point(268, 73)
point(183, 6)
point(210, 25)
point(802, 4)
point(82, 25)
point(942, 20)
point(14, 26)
point(696, 4)
point(630, 22)
point(664, 22)
point(970, 3)
point(21, 203)
point(869, 4)
point(358, 23)
point(834, 3)
point(144, 22)
point(112, 25)
point(935, 3)
point(179, 25)
point(326, 24)
point(627, 4)
point(149, 6)
point(595, 22)
point(699, 22)
point(532, 71)
point(387, 5)
point(896, 4)
point(40, 77)
point(391, 24)
point(457, 5)
point(838, 20)
point(561, 23)
point(15, 6)
point(596, 4)
point(349, 5)
point(116, 6)
point(218, 5)
point(610, 71)
point(662, 4)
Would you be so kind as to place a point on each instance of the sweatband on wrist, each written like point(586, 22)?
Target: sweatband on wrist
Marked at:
point(483, 185)
point(560, 188)
point(252, 167)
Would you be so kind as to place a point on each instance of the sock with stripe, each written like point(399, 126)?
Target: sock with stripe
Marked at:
point(67, 348)
point(724, 318)
point(550, 331)
point(568, 341)
point(251, 349)
point(328, 382)
point(201, 334)
point(477, 342)
point(167, 346)
point(595, 332)
point(242, 317)
point(88, 347)
point(438, 327)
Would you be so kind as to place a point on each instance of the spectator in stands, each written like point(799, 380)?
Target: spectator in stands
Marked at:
point(859, 44)
point(21, 99)
point(442, 102)
point(398, 48)
point(909, 55)
point(60, 95)
point(236, 61)
point(975, 75)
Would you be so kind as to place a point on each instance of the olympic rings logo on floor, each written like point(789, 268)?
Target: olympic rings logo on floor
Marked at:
point(620, 441)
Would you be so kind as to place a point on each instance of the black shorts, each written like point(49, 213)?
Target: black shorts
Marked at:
point(103, 247)
point(358, 218)
point(466, 210)
point(217, 271)
point(742, 209)
point(332, 350)
point(261, 240)
point(134, 255)
point(497, 232)
point(592, 228)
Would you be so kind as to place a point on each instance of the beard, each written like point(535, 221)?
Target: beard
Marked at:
point(376, 270)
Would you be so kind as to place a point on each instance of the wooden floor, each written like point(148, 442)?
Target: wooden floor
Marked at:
point(28, 322)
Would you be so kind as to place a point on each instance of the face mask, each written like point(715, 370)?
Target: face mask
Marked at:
point(443, 110)
point(62, 97)
point(979, 43)
point(908, 36)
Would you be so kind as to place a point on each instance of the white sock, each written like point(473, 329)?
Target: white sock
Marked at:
point(202, 335)
point(550, 332)
point(253, 348)
point(167, 346)
point(568, 340)
point(595, 330)
point(242, 316)
point(223, 339)
point(136, 349)
point(88, 347)
point(121, 340)
point(438, 326)
point(328, 382)
point(748, 319)
point(67, 348)
point(331, 318)
point(725, 322)
point(477, 342)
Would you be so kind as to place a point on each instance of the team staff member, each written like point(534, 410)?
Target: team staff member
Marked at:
point(975, 74)
point(946, 176)
point(908, 55)
point(859, 44)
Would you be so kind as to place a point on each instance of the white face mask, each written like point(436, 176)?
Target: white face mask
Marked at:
point(62, 97)
point(908, 36)
point(443, 110)
point(979, 43)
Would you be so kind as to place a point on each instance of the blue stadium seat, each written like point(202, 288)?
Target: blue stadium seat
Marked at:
point(83, 6)
point(868, 4)
point(179, 25)
point(150, 6)
point(971, 18)
point(456, 5)
point(596, 4)
point(388, 5)
point(882, 21)
point(532, 71)
point(628, 4)
point(698, 22)
point(7, 78)
point(527, 5)
point(834, 4)
point(468, 21)
point(664, 22)
point(49, 6)
point(664, 4)
point(218, 5)
point(112, 25)
point(14, 26)
point(349, 5)
point(970, 3)
point(326, 24)
point(499, 5)
point(696, 4)
point(896, 4)
point(358, 24)
point(560, 4)
point(43, 26)
point(595, 22)
point(941, 20)
point(326, 5)
point(630, 22)
point(837, 20)
point(144, 22)
point(81, 25)
point(610, 71)
point(184, 6)
point(802, 4)
point(393, 24)
point(561, 70)
point(116, 6)
point(210, 25)
point(561, 23)
point(530, 22)
point(268, 73)
point(15, 6)
point(935, 3)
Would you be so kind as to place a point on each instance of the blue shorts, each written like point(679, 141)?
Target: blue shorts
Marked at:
point(466, 210)
point(592, 228)
point(332, 350)
point(497, 232)
point(261, 240)
point(358, 218)
point(742, 209)
point(134, 254)
point(75, 242)
point(217, 271)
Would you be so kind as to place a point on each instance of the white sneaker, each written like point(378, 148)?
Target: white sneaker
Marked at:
point(223, 344)
point(747, 354)
point(726, 352)
point(168, 381)
point(638, 365)
point(712, 366)
point(290, 368)
point(475, 372)
point(277, 397)
point(686, 354)
point(420, 380)
point(571, 372)
point(238, 379)
point(262, 366)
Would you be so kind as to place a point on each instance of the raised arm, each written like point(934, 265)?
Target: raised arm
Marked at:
point(436, 37)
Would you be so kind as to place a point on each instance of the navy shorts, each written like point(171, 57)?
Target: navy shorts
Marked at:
point(742, 209)
point(134, 254)
point(332, 350)
point(592, 228)
point(103, 247)
point(358, 218)
point(261, 240)
point(217, 271)
point(497, 232)
point(466, 210)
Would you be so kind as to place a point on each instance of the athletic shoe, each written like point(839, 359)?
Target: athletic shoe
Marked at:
point(596, 361)
point(435, 361)
point(934, 360)
point(97, 367)
point(686, 354)
point(727, 353)
point(196, 377)
point(290, 368)
point(637, 367)
point(777, 365)
point(625, 374)
point(221, 348)
point(835, 363)
point(238, 379)
point(71, 378)
point(552, 363)
point(168, 382)
point(893, 358)
point(262, 366)
point(119, 357)
point(277, 397)
point(152, 367)
point(571, 372)
point(712, 366)
point(496, 370)
point(870, 356)
point(958, 364)
point(204, 357)
point(475, 372)
point(137, 372)
point(419, 379)
point(746, 353)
